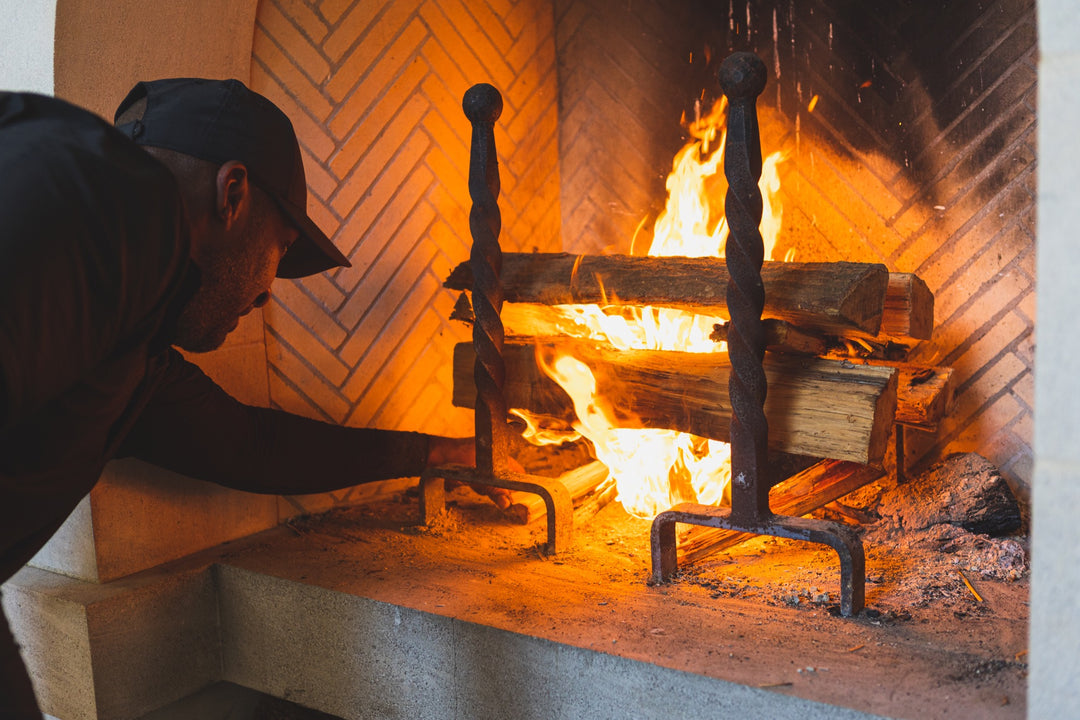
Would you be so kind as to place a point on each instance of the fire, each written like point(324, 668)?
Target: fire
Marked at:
point(655, 469)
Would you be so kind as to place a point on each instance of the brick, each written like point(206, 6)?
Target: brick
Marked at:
point(462, 25)
point(375, 260)
point(461, 61)
point(1024, 389)
point(304, 55)
point(313, 387)
point(309, 22)
point(398, 107)
point(309, 342)
point(491, 24)
point(989, 344)
point(355, 25)
point(396, 291)
point(446, 85)
point(367, 186)
point(369, 395)
point(309, 313)
point(378, 78)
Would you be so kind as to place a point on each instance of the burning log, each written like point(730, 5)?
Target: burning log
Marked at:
point(801, 494)
point(835, 298)
point(821, 408)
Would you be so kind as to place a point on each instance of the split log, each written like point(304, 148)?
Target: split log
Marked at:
point(909, 309)
point(589, 485)
point(924, 394)
point(801, 494)
point(828, 297)
point(821, 408)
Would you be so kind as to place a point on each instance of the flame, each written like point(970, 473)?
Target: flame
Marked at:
point(655, 469)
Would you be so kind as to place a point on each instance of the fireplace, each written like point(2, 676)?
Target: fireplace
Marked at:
point(339, 347)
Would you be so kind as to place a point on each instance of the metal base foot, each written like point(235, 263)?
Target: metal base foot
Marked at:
point(844, 540)
point(559, 504)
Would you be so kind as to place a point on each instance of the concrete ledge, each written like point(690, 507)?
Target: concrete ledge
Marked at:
point(117, 650)
point(136, 648)
point(361, 658)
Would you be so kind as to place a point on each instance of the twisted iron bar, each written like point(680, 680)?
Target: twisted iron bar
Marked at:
point(483, 106)
point(742, 78)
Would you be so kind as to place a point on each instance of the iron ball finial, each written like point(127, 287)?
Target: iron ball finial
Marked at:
point(742, 75)
point(482, 103)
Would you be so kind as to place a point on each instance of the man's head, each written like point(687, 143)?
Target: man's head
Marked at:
point(238, 163)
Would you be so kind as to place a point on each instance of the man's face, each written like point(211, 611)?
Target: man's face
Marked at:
point(236, 277)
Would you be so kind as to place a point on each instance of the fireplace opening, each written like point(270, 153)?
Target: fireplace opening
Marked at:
point(907, 138)
point(907, 143)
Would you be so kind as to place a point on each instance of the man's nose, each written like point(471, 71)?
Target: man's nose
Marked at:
point(262, 299)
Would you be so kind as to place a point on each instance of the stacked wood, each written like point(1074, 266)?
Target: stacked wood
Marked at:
point(842, 407)
point(835, 298)
point(817, 407)
point(873, 308)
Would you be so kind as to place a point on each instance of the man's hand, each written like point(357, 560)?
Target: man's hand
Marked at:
point(462, 451)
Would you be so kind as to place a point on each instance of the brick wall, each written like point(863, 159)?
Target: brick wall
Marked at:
point(374, 89)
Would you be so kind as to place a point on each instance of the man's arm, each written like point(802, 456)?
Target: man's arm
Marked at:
point(194, 427)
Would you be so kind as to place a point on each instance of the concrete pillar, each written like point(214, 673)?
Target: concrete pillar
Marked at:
point(1054, 689)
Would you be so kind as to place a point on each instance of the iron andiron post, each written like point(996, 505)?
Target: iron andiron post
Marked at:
point(483, 105)
point(742, 78)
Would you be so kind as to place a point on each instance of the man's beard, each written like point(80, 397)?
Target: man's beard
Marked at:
point(215, 309)
point(205, 322)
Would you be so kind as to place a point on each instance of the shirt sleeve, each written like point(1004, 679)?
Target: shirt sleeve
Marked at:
point(192, 426)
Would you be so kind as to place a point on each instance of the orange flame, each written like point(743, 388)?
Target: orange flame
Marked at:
point(655, 469)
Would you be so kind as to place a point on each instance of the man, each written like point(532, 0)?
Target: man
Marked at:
point(117, 244)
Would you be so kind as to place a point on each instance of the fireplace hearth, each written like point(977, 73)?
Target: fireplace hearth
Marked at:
point(912, 145)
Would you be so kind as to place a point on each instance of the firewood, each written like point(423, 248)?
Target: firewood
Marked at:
point(781, 336)
point(821, 408)
point(827, 297)
point(588, 486)
point(801, 494)
point(909, 309)
point(924, 394)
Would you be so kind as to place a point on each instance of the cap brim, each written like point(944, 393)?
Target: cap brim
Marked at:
point(313, 252)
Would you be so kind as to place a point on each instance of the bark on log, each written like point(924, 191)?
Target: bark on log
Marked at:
point(799, 495)
point(827, 297)
point(821, 408)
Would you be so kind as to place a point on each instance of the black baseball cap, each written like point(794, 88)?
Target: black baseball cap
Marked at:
point(223, 120)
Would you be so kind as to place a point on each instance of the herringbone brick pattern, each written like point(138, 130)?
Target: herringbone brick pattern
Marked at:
point(919, 153)
point(374, 90)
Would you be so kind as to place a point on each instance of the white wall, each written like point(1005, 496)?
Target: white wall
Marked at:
point(1054, 689)
point(26, 44)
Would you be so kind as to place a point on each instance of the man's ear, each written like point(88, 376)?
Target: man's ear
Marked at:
point(233, 192)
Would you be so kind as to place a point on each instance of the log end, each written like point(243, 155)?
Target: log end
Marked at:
point(864, 303)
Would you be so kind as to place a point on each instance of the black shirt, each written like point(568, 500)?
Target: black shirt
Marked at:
point(94, 270)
